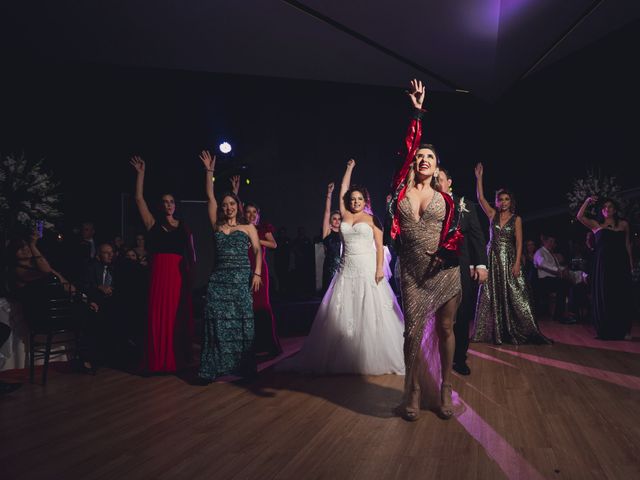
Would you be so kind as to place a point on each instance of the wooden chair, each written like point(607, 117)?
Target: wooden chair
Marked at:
point(50, 315)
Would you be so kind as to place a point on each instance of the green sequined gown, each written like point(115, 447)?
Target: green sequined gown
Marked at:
point(227, 345)
point(503, 311)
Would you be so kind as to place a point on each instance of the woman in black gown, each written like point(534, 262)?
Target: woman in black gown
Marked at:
point(331, 240)
point(611, 271)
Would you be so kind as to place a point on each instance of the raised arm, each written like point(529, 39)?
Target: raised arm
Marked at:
point(486, 207)
point(209, 165)
point(412, 139)
point(256, 278)
point(235, 184)
point(344, 186)
point(145, 214)
point(326, 225)
point(583, 219)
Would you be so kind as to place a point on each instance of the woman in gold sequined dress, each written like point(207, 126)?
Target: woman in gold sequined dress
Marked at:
point(424, 222)
point(503, 311)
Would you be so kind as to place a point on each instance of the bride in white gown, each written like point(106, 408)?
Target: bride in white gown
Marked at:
point(359, 325)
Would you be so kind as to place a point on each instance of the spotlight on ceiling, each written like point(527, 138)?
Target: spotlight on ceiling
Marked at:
point(225, 147)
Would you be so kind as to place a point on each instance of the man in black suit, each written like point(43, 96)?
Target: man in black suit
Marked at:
point(473, 270)
point(99, 287)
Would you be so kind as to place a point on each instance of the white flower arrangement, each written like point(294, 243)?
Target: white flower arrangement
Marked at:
point(593, 184)
point(602, 186)
point(28, 194)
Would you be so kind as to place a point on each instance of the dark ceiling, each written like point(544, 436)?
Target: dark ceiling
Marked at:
point(482, 46)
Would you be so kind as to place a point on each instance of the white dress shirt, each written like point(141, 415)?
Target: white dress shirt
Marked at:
point(546, 263)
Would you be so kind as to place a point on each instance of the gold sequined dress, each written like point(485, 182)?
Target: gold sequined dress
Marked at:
point(503, 310)
point(425, 289)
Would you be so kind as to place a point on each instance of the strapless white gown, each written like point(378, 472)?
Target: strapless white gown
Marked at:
point(359, 325)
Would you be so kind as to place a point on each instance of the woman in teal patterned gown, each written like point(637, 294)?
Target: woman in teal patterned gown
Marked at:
point(227, 344)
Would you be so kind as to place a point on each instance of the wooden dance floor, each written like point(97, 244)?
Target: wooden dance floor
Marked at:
point(567, 411)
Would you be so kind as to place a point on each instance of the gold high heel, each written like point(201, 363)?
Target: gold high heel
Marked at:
point(446, 409)
point(407, 412)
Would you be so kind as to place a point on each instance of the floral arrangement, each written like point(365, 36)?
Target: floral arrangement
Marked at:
point(601, 186)
point(28, 194)
point(593, 184)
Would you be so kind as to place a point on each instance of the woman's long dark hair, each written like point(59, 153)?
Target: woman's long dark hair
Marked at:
point(365, 194)
point(240, 220)
point(506, 191)
point(617, 216)
point(159, 210)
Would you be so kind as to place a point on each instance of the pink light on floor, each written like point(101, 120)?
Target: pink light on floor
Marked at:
point(496, 447)
point(628, 381)
point(484, 356)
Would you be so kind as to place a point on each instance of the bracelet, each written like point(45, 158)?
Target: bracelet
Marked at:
point(208, 170)
point(257, 274)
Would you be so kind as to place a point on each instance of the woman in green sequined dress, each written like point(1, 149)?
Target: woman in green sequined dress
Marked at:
point(228, 340)
point(503, 311)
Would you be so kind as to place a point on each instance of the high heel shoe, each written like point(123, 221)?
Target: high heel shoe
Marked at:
point(407, 411)
point(446, 409)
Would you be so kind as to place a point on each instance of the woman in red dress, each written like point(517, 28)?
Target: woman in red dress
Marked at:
point(266, 339)
point(169, 321)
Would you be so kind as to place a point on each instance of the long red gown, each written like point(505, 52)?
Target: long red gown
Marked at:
point(266, 338)
point(170, 320)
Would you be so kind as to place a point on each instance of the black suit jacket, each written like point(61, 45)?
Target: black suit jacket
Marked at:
point(93, 278)
point(474, 246)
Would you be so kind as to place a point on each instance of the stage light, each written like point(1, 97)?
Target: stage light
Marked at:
point(247, 181)
point(225, 147)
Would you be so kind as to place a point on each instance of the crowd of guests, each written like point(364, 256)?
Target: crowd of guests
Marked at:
point(454, 286)
point(105, 281)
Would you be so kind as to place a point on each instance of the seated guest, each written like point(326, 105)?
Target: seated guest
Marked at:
point(99, 287)
point(130, 254)
point(551, 277)
point(141, 249)
point(554, 278)
point(30, 275)
point(28, 265)
point(98, 282)
point(119, 247)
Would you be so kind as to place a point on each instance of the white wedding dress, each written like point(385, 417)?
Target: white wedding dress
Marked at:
point(359, 325)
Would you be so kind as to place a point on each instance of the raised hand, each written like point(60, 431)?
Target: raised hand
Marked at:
point(351, 163)
point(330, 188)
point(592, 199)
point(235, 183)
point(479, 170)
point(417, 93)
point(138, 164)
point(208, 161)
